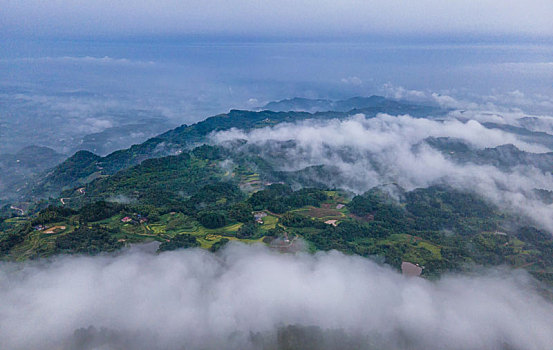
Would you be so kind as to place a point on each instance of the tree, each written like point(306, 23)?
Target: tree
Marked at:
point(212, 219)
point(219, 244)
point(241, 212)
point(88, 240)
point(179, 242)
point(247, 230)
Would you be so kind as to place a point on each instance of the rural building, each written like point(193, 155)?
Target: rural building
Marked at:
point(259, 217)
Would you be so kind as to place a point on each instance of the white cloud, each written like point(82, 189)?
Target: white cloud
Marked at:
point(92, 125)
point(353, 80)
point(441, 99)
point(373, 151)
point(534, 68)
point(400, 93)
point(197, 300)
point(105, 60)
point(509, 103)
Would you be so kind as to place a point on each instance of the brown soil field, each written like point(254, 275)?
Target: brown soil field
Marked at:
point(321, 212)
point(54, 229)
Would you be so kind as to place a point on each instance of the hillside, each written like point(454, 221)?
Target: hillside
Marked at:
point(18, 168)
point(75, 170)
point(187, 136)
point(505, 157)
point(190, 200)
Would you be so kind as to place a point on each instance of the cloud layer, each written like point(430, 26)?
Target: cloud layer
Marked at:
point(194, 299)
point(390, 149)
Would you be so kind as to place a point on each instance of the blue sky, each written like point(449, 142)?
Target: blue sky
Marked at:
point(277, 19)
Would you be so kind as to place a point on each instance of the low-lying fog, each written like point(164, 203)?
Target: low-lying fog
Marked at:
point(247, 297)
point(366, 152)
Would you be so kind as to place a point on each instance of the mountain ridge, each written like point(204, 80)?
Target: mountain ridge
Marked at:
point(185, 136)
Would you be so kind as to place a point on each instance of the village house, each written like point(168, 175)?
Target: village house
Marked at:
point(259, 217)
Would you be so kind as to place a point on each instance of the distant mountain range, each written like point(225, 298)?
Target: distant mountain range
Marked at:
point(80, 169)
point(21, 181)
point(84, 166)
point(299, 104)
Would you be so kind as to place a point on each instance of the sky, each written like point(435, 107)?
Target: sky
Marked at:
point(277, 19)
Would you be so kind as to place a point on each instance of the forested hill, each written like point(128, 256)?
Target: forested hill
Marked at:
point(80, 170)
point(210, 195)
point(190, 200)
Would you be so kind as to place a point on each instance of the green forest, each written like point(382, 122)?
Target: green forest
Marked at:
point(189, 200)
